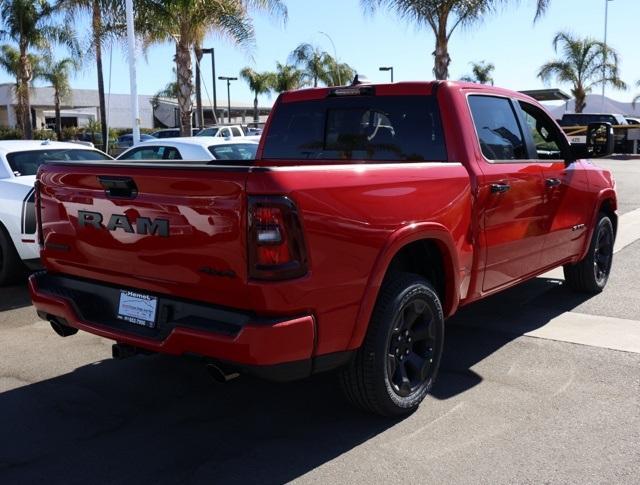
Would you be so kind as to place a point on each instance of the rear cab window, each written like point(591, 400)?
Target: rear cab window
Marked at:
point(364, 127)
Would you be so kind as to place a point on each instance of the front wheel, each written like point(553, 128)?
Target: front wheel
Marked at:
point(592, 273)
point(398, 362)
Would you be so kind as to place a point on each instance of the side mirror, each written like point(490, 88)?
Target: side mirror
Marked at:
point(600, 139)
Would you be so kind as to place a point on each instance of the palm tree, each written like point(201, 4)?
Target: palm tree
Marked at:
point(259, 83)
point(637, 98)
point(31, 25)
point(169, 91)
point(481, 73)
point(287, 78)
point(582, 64)
point(107, 20)
point(57, 73)
point(188, 22)
point(313, 61)
point(339, 73)
point(444, 17)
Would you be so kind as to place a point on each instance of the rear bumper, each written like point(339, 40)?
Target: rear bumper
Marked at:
point(282, 347)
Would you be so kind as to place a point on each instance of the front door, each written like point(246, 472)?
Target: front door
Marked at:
point(565, 185)
point(511, 194)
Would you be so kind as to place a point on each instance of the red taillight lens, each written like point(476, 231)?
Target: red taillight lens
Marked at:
point(275, 239)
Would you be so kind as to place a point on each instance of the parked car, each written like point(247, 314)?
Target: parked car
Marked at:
point(19, 162)
point(228, 132)
point(372, 213)
point(201, 148)
point(125, 141)
point(172, 133)
point(632, 120)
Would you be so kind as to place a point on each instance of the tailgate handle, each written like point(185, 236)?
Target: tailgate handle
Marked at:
point(119, 187)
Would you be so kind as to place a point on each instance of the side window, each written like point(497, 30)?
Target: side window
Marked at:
point(172, 153)
point(225, 133)
point(497, 127)
point(236, 131)
point(145, 153)
point(545, 134)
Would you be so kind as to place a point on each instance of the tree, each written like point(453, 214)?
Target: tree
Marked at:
point(339, 73)
point(481, 73)
point(582, 65)
point(57, 73)
point(313, 61)
point(187, 22)
point(31, 24)
point(107, 20)
point(443, 17)
point(637, 98)
point(259, 83)
point(287, 78)
point(169, 91)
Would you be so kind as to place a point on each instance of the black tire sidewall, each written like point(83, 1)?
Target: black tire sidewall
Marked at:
point(406, 289)
point(603, 221)
point(10, 263)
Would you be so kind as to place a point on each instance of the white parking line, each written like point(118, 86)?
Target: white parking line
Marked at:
point(592, 330)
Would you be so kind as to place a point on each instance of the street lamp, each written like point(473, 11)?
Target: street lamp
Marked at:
point(228, 79)
point(335, 55)
point(388, 68)
point(604, 63)
point(213, 78)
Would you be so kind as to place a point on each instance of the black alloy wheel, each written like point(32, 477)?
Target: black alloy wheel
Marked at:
point(410, 347)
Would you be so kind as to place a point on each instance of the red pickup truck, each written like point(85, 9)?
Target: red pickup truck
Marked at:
point(372, 213)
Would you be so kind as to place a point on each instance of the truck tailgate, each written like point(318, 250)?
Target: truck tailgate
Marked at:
point(177, 230)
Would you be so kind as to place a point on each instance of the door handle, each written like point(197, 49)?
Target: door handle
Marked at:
point(500, 188)
point(552, 182)
point(118, 187)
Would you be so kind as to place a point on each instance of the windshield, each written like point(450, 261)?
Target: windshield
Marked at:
point(208, 132)
point(391, 128)
point(237, 151)
point(27, 163)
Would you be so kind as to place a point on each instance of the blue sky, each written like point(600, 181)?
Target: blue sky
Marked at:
point(509, 39)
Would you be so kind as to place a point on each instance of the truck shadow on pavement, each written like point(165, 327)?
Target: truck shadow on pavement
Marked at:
point(480, 329)
point(162, 419)
point(12, 297)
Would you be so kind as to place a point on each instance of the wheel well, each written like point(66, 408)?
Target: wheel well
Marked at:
point(423, 258)
point(608, 208)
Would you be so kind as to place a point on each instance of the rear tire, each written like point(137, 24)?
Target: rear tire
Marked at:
point(11, 266)
point(592, 273)
point(398, 362)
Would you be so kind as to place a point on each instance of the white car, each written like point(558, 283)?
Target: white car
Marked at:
point(19, 162)
point(197, 148)
point(229, 132)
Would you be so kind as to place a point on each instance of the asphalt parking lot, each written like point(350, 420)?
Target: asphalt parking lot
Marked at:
point(538, 385)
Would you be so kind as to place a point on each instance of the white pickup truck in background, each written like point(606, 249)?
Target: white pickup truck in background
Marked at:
point(228, 132)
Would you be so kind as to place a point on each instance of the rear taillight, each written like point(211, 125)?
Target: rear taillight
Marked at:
point(275, 239)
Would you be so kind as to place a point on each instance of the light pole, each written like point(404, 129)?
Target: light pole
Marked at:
point(604, 60)
point(335, 55)
point(228, 79)
point(131, 41)
point(213, 77)
point(388, 68)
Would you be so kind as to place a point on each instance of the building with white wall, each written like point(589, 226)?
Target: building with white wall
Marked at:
point(82, 106)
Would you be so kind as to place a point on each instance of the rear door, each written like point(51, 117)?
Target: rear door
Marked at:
point(566, 189)
point(511, 193)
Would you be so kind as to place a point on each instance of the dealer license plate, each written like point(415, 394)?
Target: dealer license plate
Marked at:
point(137, 308)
